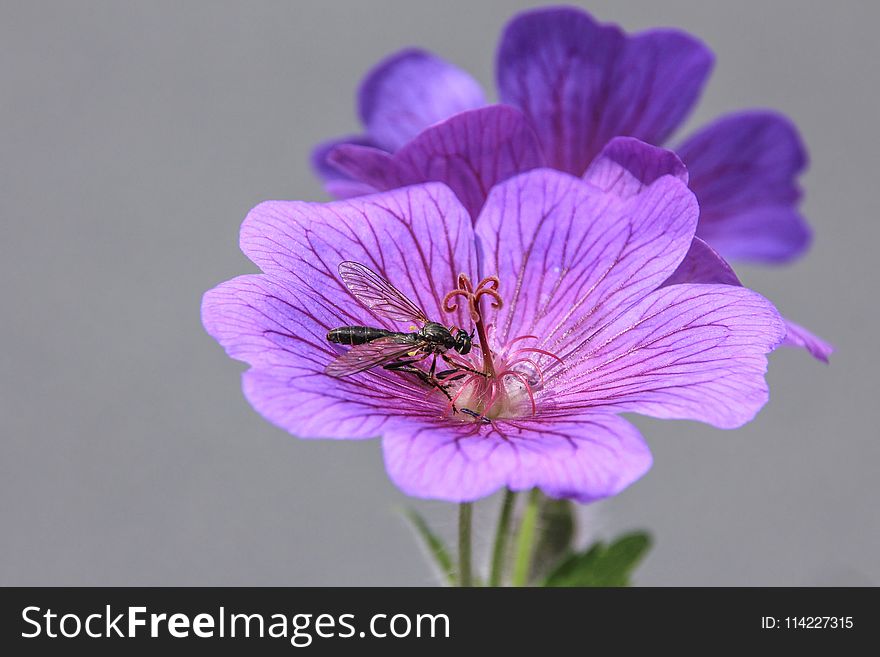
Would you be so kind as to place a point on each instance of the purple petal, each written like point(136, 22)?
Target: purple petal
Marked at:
point(470, 152)
point(656, 84)
point(344, 189)
point(743, 168)
point(772, 234)
point(337, 183)
point(582, 83)
point(553, 65)
point(703, 265)
point(280, 330)
point(322, 166)
point(372, 167)
point(418, 238)
point(797, 336)
point(695, 352)
point(626, 166)
point(570, 256)
point(410, 91)
point(584, 457)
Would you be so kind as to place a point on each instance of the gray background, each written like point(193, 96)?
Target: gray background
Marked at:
point(134, 137)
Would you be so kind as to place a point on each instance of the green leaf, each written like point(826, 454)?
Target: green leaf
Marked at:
point(602, 564)
point(556, 529)
point(434, 545)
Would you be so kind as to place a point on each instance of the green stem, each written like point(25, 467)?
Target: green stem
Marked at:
point(499, 550)
point(465, 511)
point(525, 542)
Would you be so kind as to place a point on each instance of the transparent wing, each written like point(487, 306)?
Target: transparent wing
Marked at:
point(364, 356)
point(379, 295)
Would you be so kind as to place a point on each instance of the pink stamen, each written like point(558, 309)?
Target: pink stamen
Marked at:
point(538, 370)
point(523, 337)
point(542, 352)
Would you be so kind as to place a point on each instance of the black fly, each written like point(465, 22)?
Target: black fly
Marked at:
point(394, 350)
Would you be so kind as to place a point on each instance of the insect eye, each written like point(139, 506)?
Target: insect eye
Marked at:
point(463, 342)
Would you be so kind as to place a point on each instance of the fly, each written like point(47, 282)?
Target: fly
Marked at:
point(394, 350)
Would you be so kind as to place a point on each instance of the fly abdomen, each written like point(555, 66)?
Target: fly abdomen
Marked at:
point(353, 335)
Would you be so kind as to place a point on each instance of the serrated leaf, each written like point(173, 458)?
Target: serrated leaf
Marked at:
point(556, 530)
point(602, 564)
point(433, 545)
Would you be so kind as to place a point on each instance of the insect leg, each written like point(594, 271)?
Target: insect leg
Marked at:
point(398, 364)
point(459, 366)
point(408, 367)
point(476, 416)
point(447, 375)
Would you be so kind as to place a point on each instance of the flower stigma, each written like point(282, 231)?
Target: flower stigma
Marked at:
point(503, 382)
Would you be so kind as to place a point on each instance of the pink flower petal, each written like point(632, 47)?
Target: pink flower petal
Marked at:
point(585, 457)
point(569, 256)
point(695, 352)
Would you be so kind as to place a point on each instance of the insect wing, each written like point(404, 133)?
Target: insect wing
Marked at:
point(379, 295)
point(364, 356)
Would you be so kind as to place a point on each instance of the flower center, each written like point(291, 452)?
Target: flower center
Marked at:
point(504, 381)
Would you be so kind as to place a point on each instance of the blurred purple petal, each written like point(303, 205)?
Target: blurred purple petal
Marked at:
point(372, 167)
point(322, 166)
point(797, 336)
point(569, 255)
point(743, 168)
point(582, 83)
point(345, 189)
point(580, 457)
point(337, 183)
point(626, 166)
point(470, 152)
point(772, 234)
point(694, 352)
point(656, 84)
point(411, 90)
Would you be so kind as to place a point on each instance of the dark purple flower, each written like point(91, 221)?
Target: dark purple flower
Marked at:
point(571, 87)
point(575, 84)
point(563, 283)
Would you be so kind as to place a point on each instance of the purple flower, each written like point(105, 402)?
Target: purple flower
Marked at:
point(562, 282)
point(570, 87)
